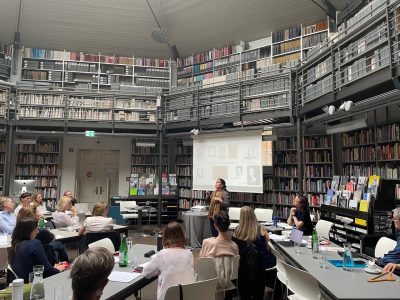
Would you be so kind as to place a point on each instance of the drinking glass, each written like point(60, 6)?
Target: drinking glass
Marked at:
point(114, 223)
point(297, 247)
point(59, 293)
point(322, 258)
point(31, 276)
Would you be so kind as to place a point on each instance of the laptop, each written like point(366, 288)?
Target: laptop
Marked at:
point(295, 237)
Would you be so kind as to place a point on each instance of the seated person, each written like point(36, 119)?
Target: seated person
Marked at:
point(173, 264)
point(70, 196)
point(61, 216)
point(26, 252)
point(98, 221)
point(221, 245)
point(391, 260)
point(37, 199)
point(251, 231)
point(90, 273)
point(57, 252)
point(300, 215)
point(7, 219)
point(25, 200)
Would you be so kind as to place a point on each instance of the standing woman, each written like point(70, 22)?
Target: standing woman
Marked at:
point(219, 201)
point(300, 215)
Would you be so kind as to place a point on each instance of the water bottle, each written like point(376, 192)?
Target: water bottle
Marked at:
point(348, 264)
point(37, 290)
point(314, 244)
point(18, 289)
point(123, 253)
point(275, 220)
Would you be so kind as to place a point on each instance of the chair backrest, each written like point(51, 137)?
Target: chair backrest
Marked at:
point(55, 224)
point(11, 275)
point(193, 291)
point(279, 265)
point(206, 268)
point(323, 228)
point(124, 205)
point(264, 214)
point(302, 283)
point(92, 237)
point(383, 246)
point(82, 207)
point(234, 213)
point(105, 243)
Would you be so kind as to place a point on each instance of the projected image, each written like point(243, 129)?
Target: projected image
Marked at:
point(199, 173)
point(232, 152)
point(239, 171)
point(220, 172)
point(200, 153)
point(251, 152)
point(222, 152)
point(253, 175)
point(212, 152)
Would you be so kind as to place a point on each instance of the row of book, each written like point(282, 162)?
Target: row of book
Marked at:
point(285, 158)
point(134, 116)
point(268, 102)
point(358, 154)
point(150, 160)
point(36, 170)
point(184, 181)
point(39, 147)
point(286, 47)
point(184, 150)
point(89, 114)
point(279, 84)
point(319, 26)
point(286, 171)
point(286, 34)
point(289, 143)
point(313, 40)
point(6, 49)
point(318, 71)
point(318, 89)
point(318, 171)
point(147, 169)
point(389, 132)
point(184, 160)
point(363, 136)
point(289, 60)
point(324, 156)
point(317, 142)
point(36, 158)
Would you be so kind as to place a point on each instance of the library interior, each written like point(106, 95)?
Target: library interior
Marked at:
point(264, 131)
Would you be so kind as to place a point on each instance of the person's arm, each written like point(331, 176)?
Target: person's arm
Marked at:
point(153, 267)
point(39, 256)
point(6, 224)
point(265, 234)
point(292, 213)
point(391, 267)
point(82, 230)
point(224, 200)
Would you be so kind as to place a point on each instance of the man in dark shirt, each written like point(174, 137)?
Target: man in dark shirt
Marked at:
point(300, 216)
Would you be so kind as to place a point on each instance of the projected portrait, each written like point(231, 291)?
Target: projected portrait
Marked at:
point(221, 152)
point(251, 152)
point(199, 173)
point(239, 171)
point(253, 175)
point(212, 152)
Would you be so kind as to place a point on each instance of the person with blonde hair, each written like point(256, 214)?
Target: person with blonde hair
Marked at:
point(173, 264)
point(98, 221)
point(7, 219)
point(253, 238)
point(61, 216)
point(90, 273)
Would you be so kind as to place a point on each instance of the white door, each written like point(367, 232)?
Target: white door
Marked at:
point(97, 175)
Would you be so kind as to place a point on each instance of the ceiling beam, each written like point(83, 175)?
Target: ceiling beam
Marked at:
point(327, 7)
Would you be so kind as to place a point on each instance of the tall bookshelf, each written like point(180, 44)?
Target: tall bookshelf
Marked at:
point(286, 173)
point(6, 53)
point(183, 169)
point(40, 162)
point(92, 72)
point(3, 149)
point(145, 157)
point(318, 167)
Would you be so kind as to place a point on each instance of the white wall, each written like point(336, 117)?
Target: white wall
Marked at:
point(71, 147)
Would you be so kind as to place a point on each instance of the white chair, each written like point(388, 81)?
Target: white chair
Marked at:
point(323, 228)
point(193, 291)
point(125, 212)
point(206, 269)
point(302, 284)
point(281, 272)
point(264, 214)
point(105, 243)
point(383, 246)
point(234, 215)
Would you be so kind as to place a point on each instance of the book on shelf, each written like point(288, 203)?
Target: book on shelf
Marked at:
point(373, 184)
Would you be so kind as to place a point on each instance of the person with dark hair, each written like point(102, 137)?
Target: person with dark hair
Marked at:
point(299, 215)
point(37, 198)
point(221, 245)
point(90, 273)
point(219, 201)
point(25, 200)
point(173, 264)
point(26, 252)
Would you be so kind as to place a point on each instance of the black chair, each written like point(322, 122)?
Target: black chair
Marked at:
point(10, 275)
point(91, 237)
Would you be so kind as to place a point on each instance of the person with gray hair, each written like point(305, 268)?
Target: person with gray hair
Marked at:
point(7, 218)
point(90, 273)
point(392, 258)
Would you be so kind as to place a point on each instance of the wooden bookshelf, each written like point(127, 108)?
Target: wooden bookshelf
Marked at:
point(40, 162)
point(183, 170)
point(145, 159)
point(79, 71)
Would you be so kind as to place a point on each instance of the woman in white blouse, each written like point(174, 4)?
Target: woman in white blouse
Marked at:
point(65, 214)
point(98, 221)
point(173, 264)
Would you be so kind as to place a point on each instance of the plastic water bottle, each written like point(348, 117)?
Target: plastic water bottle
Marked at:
point(348, 264)
point(314, 244)
point(18, 289)
point(275, 220)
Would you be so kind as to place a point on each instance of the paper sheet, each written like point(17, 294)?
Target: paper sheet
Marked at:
point(122, 276)
point(59, 237)
point(276, 237)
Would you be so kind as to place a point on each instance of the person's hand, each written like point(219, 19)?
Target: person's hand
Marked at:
point(73, 210)
point(60, 266)
point(293, 211)
point(390, 267)
point(264, 232)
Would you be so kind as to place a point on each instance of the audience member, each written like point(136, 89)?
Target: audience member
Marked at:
point(61, 216)
point(300, 215)
point(221, 245)
point(37, 198)
point(98, 221)
point(26, 252)
point(391, 260)
point(70, 196)
point(219, 201)
point(174, 263)
point(7, 219)
point(25, 200)
point(57, 251)
point(90, 273)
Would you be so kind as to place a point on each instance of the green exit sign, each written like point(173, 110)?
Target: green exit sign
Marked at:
point(90, 133)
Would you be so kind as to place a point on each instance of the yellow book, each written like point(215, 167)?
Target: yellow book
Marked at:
point(364, 205)
point(360, 222)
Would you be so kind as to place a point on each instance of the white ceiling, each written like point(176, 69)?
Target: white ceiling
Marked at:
point(123, 27)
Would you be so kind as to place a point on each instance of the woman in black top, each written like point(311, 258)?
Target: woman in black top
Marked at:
point(300, 215)
point(219, 201)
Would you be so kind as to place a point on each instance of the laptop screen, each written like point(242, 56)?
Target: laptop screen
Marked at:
point(296, 236)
